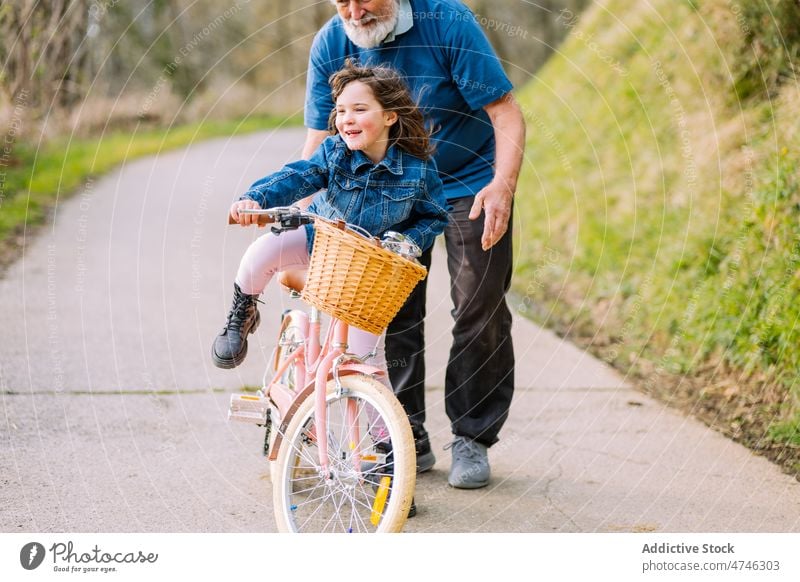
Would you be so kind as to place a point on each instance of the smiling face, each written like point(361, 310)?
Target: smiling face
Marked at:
point(362, 121)
point(367, 22)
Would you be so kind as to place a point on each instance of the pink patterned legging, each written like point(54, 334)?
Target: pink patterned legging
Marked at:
point(271, 253)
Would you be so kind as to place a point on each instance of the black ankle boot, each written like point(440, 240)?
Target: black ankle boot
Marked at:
point(230, 346)
point(425, 456)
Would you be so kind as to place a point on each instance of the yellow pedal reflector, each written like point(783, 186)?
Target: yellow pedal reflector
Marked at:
point(380, 500)
point(370, 458)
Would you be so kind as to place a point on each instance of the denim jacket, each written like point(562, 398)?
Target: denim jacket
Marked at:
point(401, 192)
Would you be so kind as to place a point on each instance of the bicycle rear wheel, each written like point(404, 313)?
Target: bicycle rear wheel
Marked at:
point(371, 473)
point(291, 338)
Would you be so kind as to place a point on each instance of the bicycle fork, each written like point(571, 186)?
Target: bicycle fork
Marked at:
point(337, 348)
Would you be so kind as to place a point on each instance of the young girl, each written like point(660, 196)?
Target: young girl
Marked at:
point(379, 175)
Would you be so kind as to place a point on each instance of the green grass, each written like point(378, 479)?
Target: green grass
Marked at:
point(34, 179)
point(663, 176)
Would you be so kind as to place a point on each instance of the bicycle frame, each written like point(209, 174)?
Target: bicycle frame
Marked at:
point(371, 460)
point(321, 362)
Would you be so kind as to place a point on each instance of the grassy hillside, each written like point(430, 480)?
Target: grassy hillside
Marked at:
point(659, 210)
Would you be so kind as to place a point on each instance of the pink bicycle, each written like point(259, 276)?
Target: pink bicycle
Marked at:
point(339, 442)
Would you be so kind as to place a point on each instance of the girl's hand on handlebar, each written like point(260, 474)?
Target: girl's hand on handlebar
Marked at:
point(244, 219)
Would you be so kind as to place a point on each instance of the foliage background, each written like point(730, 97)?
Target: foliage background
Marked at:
point(87, 65)
point(660, 220)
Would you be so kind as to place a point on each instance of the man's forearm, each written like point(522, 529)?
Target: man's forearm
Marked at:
point(509, 135)
point(314, 137)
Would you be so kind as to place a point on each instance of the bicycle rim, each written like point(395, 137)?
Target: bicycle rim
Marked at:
point(369, 483)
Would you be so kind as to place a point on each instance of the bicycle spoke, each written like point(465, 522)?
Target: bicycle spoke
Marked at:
point(314, 500)
point(313, 513)
point(339, 512)
point(302, 491)
point(335, 513)
point(354, 501)
point(305, 451)
point(366, 506)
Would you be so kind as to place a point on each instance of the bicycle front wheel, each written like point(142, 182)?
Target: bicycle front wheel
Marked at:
point(369, 482)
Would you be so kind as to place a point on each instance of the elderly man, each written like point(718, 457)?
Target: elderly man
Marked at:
point(479, 134)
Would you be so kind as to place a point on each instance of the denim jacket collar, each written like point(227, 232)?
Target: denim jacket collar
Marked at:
point(392, 161)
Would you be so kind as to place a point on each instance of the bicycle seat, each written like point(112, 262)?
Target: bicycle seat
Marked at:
point(293, 280)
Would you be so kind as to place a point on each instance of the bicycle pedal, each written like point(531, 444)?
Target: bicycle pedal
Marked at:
point(248, 408)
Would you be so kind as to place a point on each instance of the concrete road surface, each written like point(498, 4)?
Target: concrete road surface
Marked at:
point(114, 419)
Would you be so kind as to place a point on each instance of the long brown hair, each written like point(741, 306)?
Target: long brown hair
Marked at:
point(409, 132)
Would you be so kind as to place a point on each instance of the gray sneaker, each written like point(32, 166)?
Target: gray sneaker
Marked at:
point(470, 468)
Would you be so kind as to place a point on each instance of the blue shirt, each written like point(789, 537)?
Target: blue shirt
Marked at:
point(401, 192)
point(452, 72)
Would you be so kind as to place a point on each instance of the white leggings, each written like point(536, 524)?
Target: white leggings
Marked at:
point(271, 253)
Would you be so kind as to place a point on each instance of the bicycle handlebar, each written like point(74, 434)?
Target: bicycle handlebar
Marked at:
point(291, 217)
point(284, 217)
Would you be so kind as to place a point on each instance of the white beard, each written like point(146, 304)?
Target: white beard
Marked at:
point(372, 35)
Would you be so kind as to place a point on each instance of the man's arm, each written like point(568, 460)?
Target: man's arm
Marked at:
point(314, 137)
point(497, 197)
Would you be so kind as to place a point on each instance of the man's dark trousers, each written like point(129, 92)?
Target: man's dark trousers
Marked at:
point(479, 382)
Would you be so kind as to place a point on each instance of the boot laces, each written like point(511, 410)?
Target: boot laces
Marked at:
point(239, 311)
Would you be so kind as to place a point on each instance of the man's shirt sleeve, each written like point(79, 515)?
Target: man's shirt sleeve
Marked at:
point(475, 67)
point(318, 103)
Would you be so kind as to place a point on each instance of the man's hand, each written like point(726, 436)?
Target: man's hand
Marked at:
point(244, 219)
point(495, 200)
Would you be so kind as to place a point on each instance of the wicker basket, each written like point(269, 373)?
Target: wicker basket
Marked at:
point(353, 279)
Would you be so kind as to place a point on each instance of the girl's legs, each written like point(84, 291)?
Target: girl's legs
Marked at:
point(269, 254)
point(266, 256)
point(361, 343)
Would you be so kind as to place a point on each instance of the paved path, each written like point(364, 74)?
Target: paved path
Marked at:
point(114, 420)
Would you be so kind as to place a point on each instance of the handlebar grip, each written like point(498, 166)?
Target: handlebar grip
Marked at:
point(263, 220)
